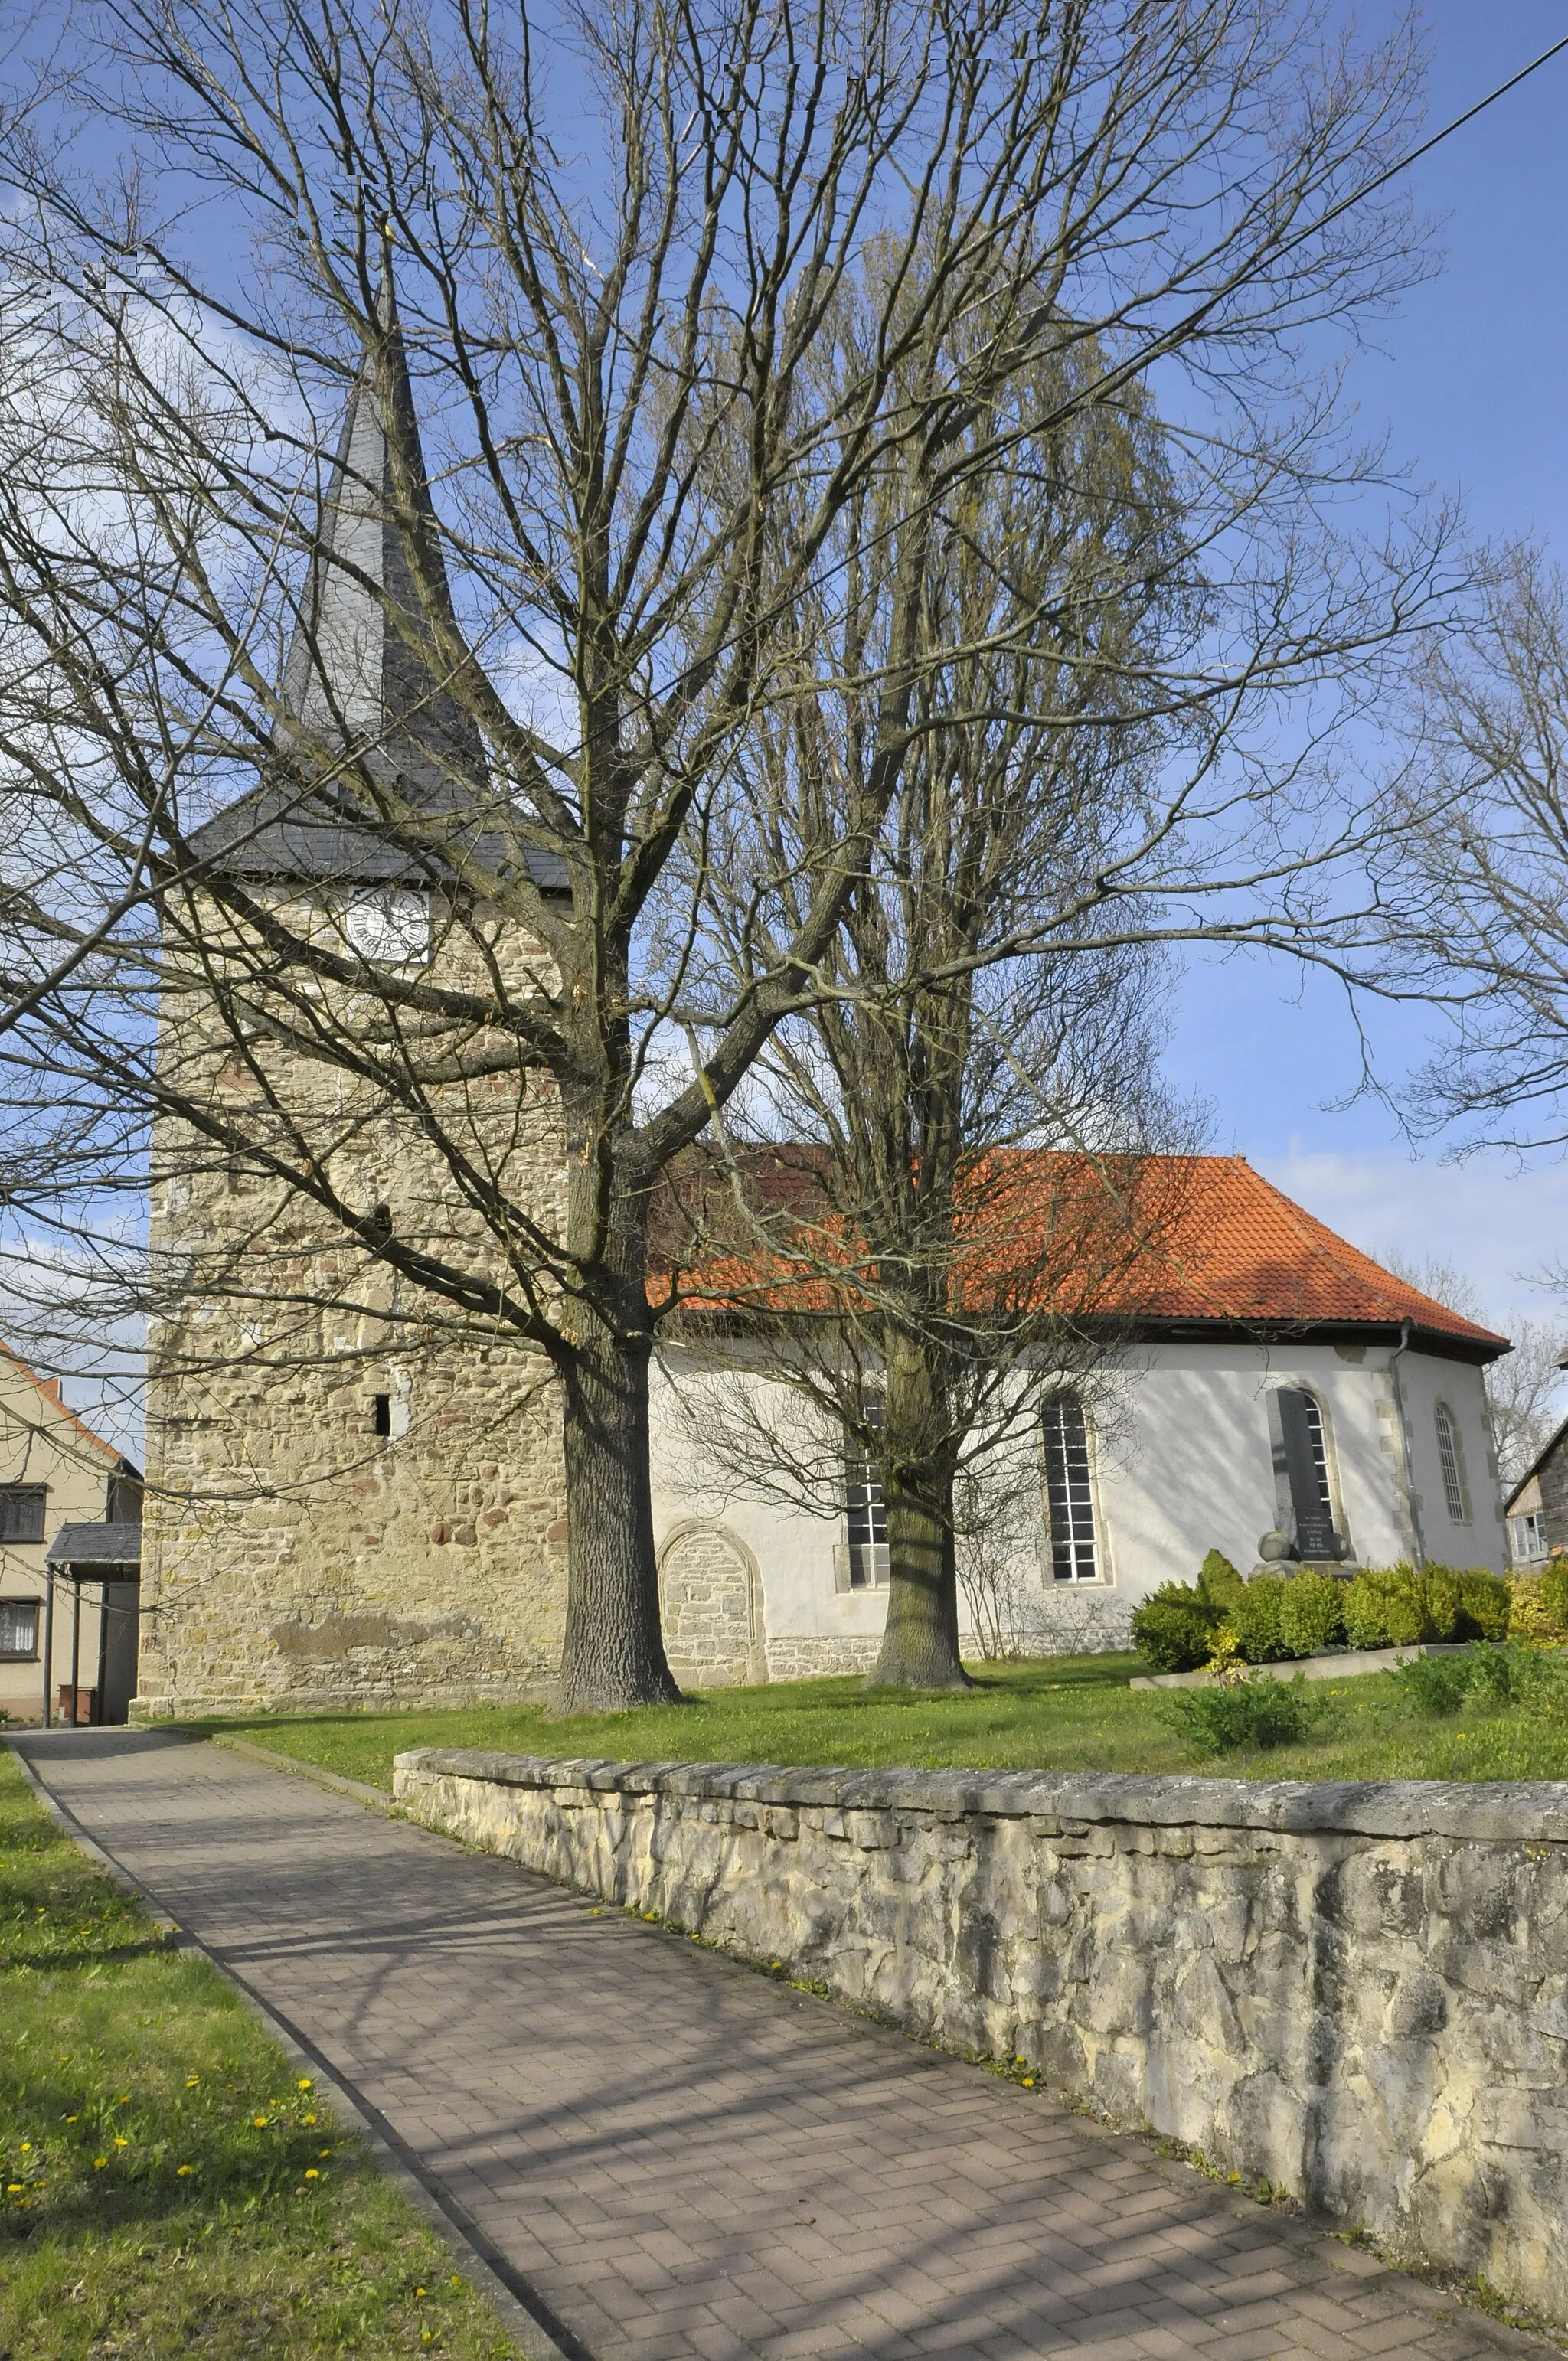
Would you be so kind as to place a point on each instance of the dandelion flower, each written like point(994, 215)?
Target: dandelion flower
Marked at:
point(310, 2172)
point(1028, 2081)
point(99, 2162)
point(260, 2122)
point(419, 2290)
point(120, 2141)
point(182, 2169)
point(326, 2151)
point(13, 2189)
point(455, 2280)
point(303, 2083)
point(311, 2121)
point(191, 2081)
point(125, 2102)
point(73, 2119)
point(26, 2147)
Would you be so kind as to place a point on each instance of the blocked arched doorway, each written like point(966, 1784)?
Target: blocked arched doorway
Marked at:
point(710, 1595)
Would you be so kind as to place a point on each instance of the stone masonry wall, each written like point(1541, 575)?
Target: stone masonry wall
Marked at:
point(1358, 1992)
point(295, 1554)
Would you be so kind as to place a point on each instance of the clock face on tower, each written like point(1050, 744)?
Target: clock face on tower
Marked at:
point(389, 926)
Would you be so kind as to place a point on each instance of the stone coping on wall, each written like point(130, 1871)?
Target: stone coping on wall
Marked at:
point(1334, 1664)
point(1514, 1811)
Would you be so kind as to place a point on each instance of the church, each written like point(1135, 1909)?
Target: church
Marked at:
point(354, 1497)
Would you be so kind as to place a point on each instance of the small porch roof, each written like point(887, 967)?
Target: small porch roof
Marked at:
point(111, 1549)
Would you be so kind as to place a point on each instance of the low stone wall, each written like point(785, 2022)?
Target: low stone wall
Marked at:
point(1359, 1991)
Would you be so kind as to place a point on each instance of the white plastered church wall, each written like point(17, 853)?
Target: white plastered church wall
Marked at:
point(1183, 1463)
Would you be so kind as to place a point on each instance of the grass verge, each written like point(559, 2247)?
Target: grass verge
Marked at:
point(167, 2182)
point(1061, 1713)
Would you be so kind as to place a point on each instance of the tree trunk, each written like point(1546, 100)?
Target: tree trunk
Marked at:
point(920, 1643)
point(614, 1653)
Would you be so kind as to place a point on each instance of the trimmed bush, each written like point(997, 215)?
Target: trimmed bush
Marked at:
point(1483, 1606)
point(1219, 1581)
point(1171, 1628)
point(1384, 1608)
point(1256, 1620)
point(1311, 1614)
point(1533, 1609)
point(1395, 1606)
point(1252, 1714)
point(1438, 1588)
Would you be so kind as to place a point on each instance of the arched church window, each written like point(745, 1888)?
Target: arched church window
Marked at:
point(1451, 1458)
point(865, 1510)
point(1069, 1490)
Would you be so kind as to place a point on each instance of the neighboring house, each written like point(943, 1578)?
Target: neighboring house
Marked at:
point(1536, 1508)
point(69, 1511)
point(1277, 1388)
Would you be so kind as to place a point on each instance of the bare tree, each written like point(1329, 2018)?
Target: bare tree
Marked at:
point(594, 461)
point(936, 1055)
point(1476, 877)
point(1524, 1388)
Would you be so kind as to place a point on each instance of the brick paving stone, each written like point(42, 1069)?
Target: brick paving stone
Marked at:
point(687, 2162)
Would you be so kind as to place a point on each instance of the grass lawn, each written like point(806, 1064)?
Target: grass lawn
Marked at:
point(166, 2182)
point(1060, 1713)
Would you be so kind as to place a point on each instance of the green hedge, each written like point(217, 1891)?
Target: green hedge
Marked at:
point(1395, 1606)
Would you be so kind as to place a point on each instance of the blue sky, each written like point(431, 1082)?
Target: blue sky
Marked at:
point(1471, 383)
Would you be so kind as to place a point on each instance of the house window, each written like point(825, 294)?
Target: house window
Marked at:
point(1451, 1458)
point(1527, 1539)
point(1070, 1493)
point(18, 1629)
point(865, 1515)
point(22, 1512)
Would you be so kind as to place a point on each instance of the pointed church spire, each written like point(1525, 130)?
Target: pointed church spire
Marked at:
point(363, 660)
point(363, 671)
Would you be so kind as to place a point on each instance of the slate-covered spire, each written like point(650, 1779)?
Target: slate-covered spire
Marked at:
point(363, 660)
point(363, 671)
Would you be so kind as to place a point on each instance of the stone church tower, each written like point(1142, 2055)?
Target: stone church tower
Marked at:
point(355, 1490)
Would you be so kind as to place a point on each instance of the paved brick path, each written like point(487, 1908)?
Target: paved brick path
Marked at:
point(683, 2159)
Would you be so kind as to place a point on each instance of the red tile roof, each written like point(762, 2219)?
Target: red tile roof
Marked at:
point(1221, 1248)
point(1244, 1251)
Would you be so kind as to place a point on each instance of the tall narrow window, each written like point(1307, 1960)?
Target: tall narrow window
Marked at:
point(865, 1515)
point(1451, 1458)
point(1070, 1494)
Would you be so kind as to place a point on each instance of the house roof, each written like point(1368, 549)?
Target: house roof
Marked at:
point(362, 668)
point(117, 1545)
point(1165, 1246)
point(49, 1388)
point(1536, 1465)
point(1243, 1252)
